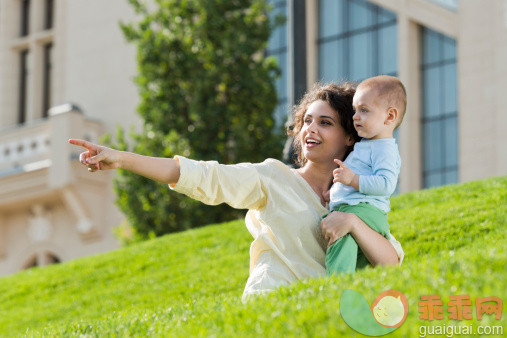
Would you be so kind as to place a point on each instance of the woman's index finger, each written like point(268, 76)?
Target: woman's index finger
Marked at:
point(82, 143)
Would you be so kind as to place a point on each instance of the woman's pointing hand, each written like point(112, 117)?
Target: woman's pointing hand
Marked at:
point(97, 157)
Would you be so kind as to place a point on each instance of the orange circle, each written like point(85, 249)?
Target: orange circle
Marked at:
point(395, 294)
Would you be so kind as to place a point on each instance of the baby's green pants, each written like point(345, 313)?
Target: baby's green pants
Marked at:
point(344, 255)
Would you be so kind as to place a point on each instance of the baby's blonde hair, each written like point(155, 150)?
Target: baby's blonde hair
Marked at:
point(392, 90)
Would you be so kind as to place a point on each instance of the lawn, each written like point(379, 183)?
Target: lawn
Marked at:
point(190, 283)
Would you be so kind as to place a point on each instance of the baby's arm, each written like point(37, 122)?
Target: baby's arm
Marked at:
point(385, 165)
point(164, 170)
point(345, 175)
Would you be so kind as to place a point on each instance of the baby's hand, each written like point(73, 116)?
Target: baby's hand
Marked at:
point(343, 174)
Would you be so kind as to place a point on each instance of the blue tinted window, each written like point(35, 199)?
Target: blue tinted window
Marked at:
point(360, 14)
point(329, 23)
point(362, 39)
point(360, 55)
point(433, 180)
point(332, 60)
point(432, 93)
point(432, 45)
point(277, 47)
point(388, 51)
point(449, 48)
point(440, 109)
point(433, 141)
point(450, 127)
point(451, 176)
point(450, 4)
point(450, 89)
point(385, 16)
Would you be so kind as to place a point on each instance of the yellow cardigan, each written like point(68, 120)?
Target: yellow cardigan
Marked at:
point(283, 217)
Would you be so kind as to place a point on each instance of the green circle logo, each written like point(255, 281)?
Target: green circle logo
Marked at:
point(387, 312)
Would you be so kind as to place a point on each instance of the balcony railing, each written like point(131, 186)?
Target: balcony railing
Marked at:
point(25, 147)
point(30, 147)
point(36, 159)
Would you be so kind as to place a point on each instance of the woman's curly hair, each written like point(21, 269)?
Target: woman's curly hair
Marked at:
point(339, 97)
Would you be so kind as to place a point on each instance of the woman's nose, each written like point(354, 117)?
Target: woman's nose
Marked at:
point(312, 127)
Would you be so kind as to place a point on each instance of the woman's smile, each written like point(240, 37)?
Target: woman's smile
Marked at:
point(311, 142)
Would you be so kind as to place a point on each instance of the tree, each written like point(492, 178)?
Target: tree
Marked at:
point(207, 92)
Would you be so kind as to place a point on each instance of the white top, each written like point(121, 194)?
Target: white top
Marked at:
point(378, 163)
point(284, 216)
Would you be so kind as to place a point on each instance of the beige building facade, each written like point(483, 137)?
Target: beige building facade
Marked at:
point(66, 71)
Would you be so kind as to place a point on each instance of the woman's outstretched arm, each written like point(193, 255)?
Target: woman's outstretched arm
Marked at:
point(241, 186)
point(377, 249)
point(164, 170)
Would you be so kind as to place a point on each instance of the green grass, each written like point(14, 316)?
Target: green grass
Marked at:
point(190, 283)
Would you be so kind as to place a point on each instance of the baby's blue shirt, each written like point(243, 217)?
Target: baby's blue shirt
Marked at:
point(378, 163)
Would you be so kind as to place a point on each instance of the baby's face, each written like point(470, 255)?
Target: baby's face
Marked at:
point(371, 113)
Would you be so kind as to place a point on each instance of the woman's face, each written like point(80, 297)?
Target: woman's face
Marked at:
point(322, 137)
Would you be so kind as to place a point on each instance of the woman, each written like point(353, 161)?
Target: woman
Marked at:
point(285, 205)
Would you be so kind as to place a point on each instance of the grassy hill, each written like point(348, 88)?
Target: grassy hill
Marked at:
point(190, 283)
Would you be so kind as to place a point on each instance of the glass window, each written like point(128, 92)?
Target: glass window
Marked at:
point(277, 47)
point(450, 126)
point(48, 64)
point(25, 17)
point(385, 16)
point(48, 24)
point(41, 63)
point(440, 109)
point(432, 99)
point(328, 23)
point(360, 56)
point(24, 80)
point(331, 60)
point(360, 14)
point(364, 44)
point(451, 176)
point(449, 48)
point(450, 96)
point(432, 141)
point(433, 180)
point(388, 51)
point(431, 47)
point(450, 4)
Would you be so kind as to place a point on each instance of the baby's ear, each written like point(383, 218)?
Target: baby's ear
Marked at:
point(392, 115)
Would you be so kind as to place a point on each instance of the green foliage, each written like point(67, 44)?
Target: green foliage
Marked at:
point(207, 92)
point(190, 283)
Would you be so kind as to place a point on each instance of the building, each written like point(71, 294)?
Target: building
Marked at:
point(450, 54)
point(71, 55)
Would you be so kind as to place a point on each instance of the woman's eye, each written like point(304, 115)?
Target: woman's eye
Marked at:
point(326, 122)
point(308, 121)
